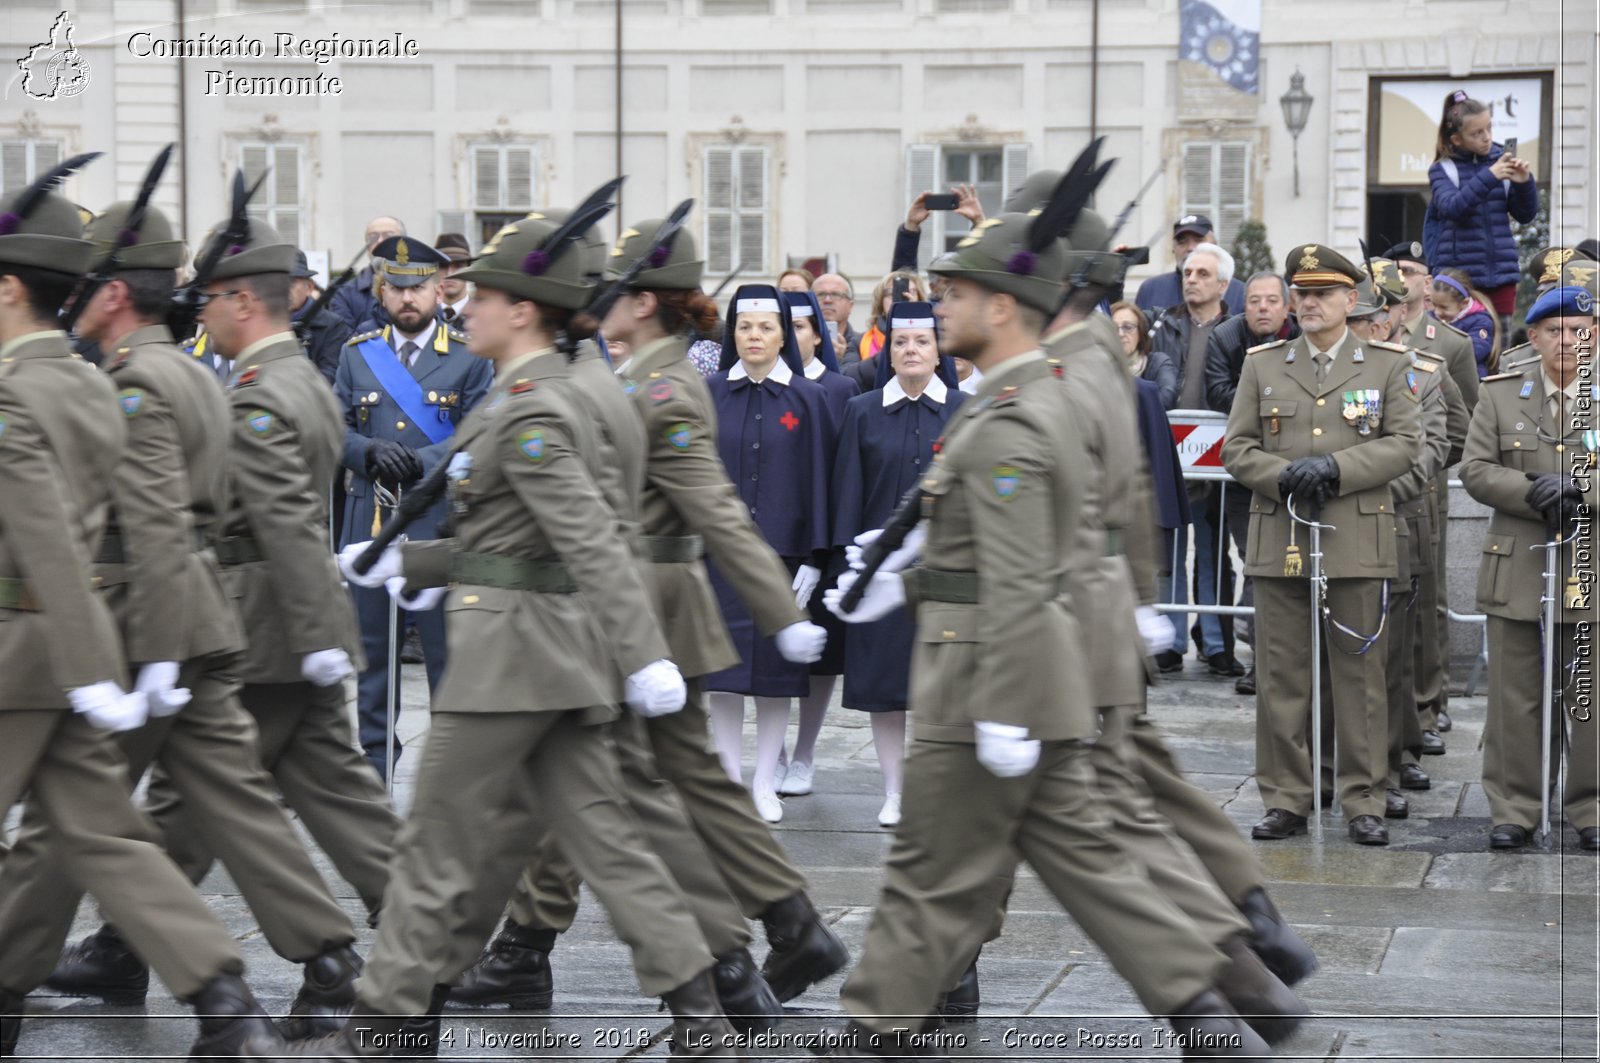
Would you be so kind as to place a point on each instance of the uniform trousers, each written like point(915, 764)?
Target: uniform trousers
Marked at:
point(307, 747)
point(1405, 723)
point(1359, 707)
point(1512, 730)
point(374, 684)
point(78, 780)
point(456, 859)
point(208, 751)
point(962, 833)
point(1433, 669)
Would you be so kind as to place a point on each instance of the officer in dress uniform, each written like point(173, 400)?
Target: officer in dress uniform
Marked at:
point(181, 635)
point(547, 612)
point(61, 664)
point(403, 389)
point(1530, 456)
point(1330, 422)
point(999, 765)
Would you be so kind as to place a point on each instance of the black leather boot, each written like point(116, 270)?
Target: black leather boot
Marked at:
point(746, 999)
point(1283, 951)
point(1270, 1007)
point(12, 1006)
point(232, 1022)
point(327, 994)
point(1208, 1028)
point(960, 1004)
point(698, 1029)
point(514, 970)
point(101, 965)
point(419, 1037)
point(805, 950)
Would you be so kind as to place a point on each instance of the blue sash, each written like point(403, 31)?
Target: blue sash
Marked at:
point(403, 388)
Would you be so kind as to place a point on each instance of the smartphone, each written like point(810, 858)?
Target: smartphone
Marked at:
point(1137, 256)
point(941, 201)
point(902, 289)
point(1511, 150)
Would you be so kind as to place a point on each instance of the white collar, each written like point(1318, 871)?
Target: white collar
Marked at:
point(970, 385)
point(423, 339)
point(815, 369)
point(621, 368)
point(936, 391)
point(781, 373)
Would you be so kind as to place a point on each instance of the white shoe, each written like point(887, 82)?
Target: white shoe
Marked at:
point(797, 780)
point(768, 805)
point(889, 814)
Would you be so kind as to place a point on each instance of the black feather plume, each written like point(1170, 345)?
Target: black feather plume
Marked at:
point(569, 232)
point(606, 193)
point(1066, 201)
point(34, 194)
point(1366, 257)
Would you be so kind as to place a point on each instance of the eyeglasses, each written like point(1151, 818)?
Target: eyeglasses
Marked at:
point(1127, 326)
point(1413, 271)
point(207, 297)
point(832, 297)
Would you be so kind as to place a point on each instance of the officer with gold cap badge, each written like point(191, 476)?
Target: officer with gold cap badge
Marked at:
point(1530, 456)
point(403, 389)
point(286, 437)
point(999, 767)
point(62, 675)
point(181, 638)
point(1329, 421)
point(547, 610)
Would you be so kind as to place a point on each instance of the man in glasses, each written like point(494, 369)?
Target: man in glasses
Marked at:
point(838, 298)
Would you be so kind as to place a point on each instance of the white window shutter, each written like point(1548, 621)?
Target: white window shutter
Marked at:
point(286, 177)
point(454, 221)
point(1014, 169)
point(752, 178)
point(922, 172)
point(1198, 179)
point(719, 243)
point(13, 165)
point(486, 178)
point(253, 159)
point(719, 178)
point(753, 242)
point(287, 222)
point(519, 178)
point(46, 153)
point(1233, 190)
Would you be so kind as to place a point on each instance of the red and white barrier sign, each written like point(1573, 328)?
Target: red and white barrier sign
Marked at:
point(1198, 435)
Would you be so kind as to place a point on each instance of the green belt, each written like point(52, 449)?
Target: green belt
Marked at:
point(961, 588)
point(238, 550)
point(666, 549)
point(512, 573)
point(16, 594)
point(112, 552)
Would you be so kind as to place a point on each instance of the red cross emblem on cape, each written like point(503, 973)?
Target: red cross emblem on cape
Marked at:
point(789, 420)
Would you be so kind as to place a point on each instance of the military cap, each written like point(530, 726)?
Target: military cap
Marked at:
point(1033, 193)
point(996, 254)
point(1316, 266)
point(151, 246)
point(406, 262)
point(594, 251)
point(1589, 249)
point(453, 246)
point(1581, 273)
point(1410, 251)
point(515, 261)
point(676, 268)
point(1388, 282)
point(1088, 261)
point(41, 228)
point(263, 251)
point(1562, 302)
point(1369, 300)
point(1545, 267)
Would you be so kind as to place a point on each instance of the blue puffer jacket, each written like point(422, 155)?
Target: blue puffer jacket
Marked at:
point(1467, 224)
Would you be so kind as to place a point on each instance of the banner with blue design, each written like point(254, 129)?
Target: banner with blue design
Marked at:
point(1222, 41)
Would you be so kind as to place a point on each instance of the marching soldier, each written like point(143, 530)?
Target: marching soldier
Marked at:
point(999, 765)
point(61, 667)
point(1331, 422)
point(403, 389)
point(1530, 456)
point(181, 636)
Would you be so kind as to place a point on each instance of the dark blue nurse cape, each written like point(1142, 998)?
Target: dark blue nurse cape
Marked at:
point(777, 442)
point(882, 451)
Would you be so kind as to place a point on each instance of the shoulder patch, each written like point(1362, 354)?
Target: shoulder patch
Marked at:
point(629, 386)
point(660, 391)
point(456, 334)
point(260, 422)
point(1265, 346)
point(679, 436)
point(1006, 480)
point(531, 445)
point(523, 386)
point(362, 337)
point(131, 399)
point(250, 376)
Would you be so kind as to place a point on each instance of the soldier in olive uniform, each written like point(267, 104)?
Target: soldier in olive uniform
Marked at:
point(1327, 420)
point(1530, 456)
point(546, 611)
point(999, 766)
point(688, 509)
point(61, 663)
point(160, 577)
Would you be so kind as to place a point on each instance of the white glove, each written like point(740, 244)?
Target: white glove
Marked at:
point(897, 561)
point(657, 689)
point(105, 706)
point(420, 600)
point(158, 682)
point(388, 567)
point(885, 594)
point(1006, 750)
point(802, 643)
point(1155, 628)
point(805, 584)
point(325, 668)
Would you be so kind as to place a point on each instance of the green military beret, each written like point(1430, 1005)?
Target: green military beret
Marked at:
point(43, 229)
point(515, 262)
point(151, 246)
point(591, 247)
point(262, 251)
point(679, 268)
point(1316, 266)
point(996, 254)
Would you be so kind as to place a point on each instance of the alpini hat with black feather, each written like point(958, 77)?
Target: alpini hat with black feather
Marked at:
point(43, 229)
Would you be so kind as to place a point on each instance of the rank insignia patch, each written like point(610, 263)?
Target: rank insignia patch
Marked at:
point(247, 378)
point(1411, 382)
point(661, 392)
point(131, 399)
point(630, 386)
point(1006, 480)
point(1527, 389)
point(260, 422)
point(678, 435)
point(532, 445)
point(522, 387)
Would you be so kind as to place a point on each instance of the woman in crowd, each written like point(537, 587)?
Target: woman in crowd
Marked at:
point(1477, 190)
point(776, 437)
point(904, 285)
point(885, 445)
point(1133, 329)
point(1455, 300)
